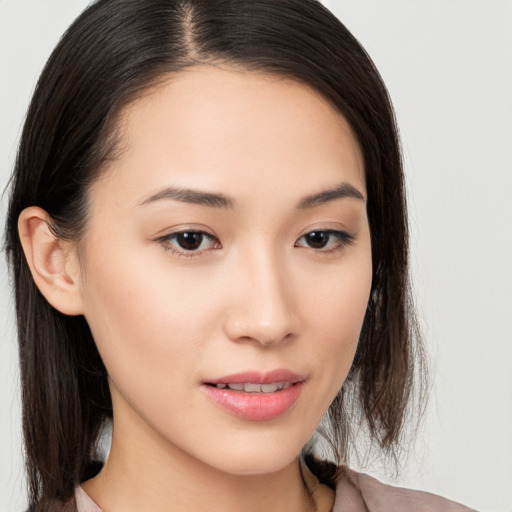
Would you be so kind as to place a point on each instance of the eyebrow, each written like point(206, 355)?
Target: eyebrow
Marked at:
point(215, 200)
point(341, 191)
point(192, 196)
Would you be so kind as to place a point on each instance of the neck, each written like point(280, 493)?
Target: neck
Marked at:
point(153, 475)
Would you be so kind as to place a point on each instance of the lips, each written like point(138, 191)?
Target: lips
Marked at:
point(259, 377)
point(256, 396)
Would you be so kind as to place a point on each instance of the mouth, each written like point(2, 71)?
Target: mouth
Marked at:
point(256, 396)
point(253, 387)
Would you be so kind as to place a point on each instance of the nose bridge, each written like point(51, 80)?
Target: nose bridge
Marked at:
point(262, 307)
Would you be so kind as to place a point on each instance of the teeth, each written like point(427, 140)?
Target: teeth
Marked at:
point(251, 387)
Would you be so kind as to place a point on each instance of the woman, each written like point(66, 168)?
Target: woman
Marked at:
point(208, 236)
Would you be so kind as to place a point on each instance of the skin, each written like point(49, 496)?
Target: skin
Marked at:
point(255, 295)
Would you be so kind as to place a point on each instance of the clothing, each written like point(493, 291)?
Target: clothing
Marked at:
point(355, 492)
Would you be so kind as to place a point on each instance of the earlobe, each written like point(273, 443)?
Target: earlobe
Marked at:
point(52, 261)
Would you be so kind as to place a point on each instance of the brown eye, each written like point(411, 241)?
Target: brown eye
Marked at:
point(189, 241)
point(317, 239)
point(325, 240)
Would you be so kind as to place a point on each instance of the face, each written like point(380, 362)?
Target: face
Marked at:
point(226, 267)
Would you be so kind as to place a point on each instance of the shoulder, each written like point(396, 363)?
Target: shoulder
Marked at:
point(357, 492)
point(54, 506)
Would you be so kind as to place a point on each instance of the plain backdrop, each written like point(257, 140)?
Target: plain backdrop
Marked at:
point(448, 66)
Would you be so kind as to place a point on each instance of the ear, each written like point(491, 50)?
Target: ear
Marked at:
point(52, 261)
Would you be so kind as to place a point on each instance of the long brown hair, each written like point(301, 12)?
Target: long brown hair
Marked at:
point(112, 53)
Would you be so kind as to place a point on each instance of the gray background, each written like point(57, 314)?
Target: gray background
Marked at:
point(447, 64)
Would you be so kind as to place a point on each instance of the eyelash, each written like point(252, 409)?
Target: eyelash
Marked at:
point(342, 239)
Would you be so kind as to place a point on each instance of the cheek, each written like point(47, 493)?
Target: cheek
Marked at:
point(336, 307)
point(137, 318)
point(337, 298)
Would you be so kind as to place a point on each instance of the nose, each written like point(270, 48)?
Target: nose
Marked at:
point(262, 303)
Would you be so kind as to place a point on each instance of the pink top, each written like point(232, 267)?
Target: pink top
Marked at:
point(355, 492)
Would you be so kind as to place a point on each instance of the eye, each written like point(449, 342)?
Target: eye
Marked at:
point(325, 240)
point(189, 243)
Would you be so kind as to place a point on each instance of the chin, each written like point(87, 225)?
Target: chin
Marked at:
point(254, 456)
point(257, 465)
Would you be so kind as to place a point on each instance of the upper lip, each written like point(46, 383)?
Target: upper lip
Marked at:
point(257, 377)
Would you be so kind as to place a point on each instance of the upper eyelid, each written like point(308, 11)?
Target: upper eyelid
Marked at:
point(209, 234)
point(337, 232)
point(181, 231)
point(169, 233)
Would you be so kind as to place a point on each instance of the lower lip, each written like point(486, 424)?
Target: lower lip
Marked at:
point(255, 406)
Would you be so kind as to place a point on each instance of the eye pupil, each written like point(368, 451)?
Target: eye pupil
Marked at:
point(189, 241)
point(317, 239)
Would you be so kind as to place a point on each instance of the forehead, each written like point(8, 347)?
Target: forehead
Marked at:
point(226, 128)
